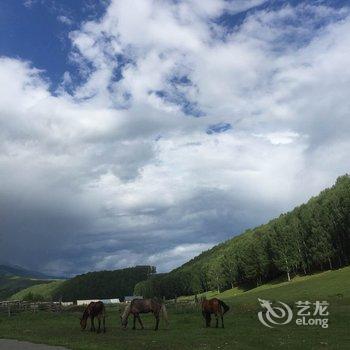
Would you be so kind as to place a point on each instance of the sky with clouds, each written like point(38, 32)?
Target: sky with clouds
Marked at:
point(144, 132)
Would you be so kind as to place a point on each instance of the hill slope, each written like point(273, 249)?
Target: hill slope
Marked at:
point(11, 285)
point(43, 291)
point(333, 286)
point(15, 278)
point(10, 270)
point(313, 237)
point(101, 284)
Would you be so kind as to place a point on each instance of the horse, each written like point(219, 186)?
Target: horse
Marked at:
point(216, 307)
point(94, 309)
point(144, 306)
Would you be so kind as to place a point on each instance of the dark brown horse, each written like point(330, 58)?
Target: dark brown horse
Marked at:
point(144, 306)
point(94, 309)
point(216, 307)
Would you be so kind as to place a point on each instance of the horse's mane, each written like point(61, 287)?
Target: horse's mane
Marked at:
point(126, 313)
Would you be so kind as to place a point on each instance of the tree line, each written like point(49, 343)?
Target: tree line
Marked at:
point(313, 237)
point(103, 284)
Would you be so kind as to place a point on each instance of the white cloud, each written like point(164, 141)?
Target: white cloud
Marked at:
point(174, 257)
point(29, 3)
point(166, 260)
point(65, 20)
point(282, 137)
point(120, 171)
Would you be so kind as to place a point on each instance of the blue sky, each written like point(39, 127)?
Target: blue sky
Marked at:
point(146, 134)
point(37, 31)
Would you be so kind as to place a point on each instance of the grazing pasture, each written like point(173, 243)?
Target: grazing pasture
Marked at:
point(187, 326)
point(187, 331)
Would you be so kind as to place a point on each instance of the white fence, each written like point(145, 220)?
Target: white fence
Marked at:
point(67, 303)
point(129, 299)
point(105, 301)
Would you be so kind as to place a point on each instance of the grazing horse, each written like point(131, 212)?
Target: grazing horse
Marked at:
point(216, 307)
point(94, 309)
point(144, 306)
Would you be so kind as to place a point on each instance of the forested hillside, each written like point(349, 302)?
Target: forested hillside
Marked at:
point(103, 284)
point(313, 237)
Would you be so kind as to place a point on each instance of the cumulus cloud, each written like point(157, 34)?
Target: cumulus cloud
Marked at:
point(120, 169)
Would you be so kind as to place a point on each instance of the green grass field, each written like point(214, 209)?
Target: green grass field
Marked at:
point(243, 329)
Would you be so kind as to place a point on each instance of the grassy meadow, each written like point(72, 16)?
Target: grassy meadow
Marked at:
point(242, 327)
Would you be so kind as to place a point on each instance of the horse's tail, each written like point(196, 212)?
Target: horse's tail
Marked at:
point(225, 306)
point(164, 314)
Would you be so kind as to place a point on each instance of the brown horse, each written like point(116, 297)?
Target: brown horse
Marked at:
point(144, 306)
point(94, 309)
point(216, 307)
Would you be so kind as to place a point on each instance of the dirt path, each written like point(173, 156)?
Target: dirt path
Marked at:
point(7, 344)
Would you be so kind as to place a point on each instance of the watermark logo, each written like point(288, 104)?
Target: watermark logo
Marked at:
point(307, 313)
point(274, 315)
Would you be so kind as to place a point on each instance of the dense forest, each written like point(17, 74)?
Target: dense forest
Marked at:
point(313, 237)
point(103, 284)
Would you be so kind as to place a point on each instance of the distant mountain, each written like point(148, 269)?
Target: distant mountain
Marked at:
point(92, 285)
point(15, 278)
point(13, 270)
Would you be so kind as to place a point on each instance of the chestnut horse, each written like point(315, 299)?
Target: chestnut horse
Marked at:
point(94, 309)
point(216, 307)
point(144, 306)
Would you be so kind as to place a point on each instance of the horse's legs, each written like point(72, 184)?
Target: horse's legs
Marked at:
point(99, 324)
point(217, 320)
point(92, 329)
point(205, 316)
point(139, 319)
point(207, 319)
point(222, 319)
point(134, 327)
point(157, 321)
